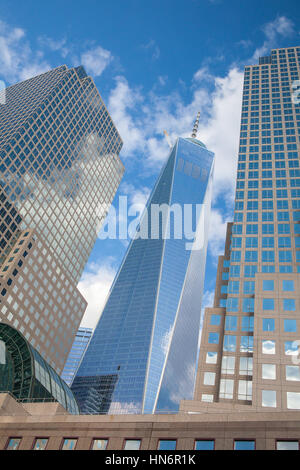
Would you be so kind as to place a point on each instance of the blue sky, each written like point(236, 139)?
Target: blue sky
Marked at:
point(155, 63)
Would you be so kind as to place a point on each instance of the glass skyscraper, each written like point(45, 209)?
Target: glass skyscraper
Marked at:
point(250, 340)
point(143, 353)
point(78, 349)
point(59, 169)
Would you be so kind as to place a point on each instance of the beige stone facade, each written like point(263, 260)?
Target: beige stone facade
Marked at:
point(40, 299)
point(249, 347)
point(29, 422)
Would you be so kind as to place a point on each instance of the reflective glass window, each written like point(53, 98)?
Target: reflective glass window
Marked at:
point(269, 371)
point(244, 445)
point(268, 346)
point(40, 443)
point(268, 324)
point(99, 444)
point(289, 305)
point(287, 445)
point(69, 444)
point(204, 445)
point(293, 400)
point(268, 304)
point(132, 444)
point(292, 373)
point(290, 325)
point(166, 444)
point(13, 443)
point(269, 398)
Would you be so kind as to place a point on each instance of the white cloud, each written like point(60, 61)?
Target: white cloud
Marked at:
point(221, 131)
point(94, 286)
point(121, 103)
point(162, 79)
point(17, 60)
point(142, 120)
point(95, 60)
point(152, 46)
point(55, 44)
point(217, 233)
point(202, 74)
point(208, 299)
point(281, 26)
point(135, 195)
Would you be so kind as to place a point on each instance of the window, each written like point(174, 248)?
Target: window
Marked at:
point(204, 445)
point(69, 444)
point(215, 320)
point(268, 371)
point(245, 390)
point(268, 304)
point(268, 346)
point(213, 338)
point(248, 305)
point(268, 324)
point(289, 305)
point(284, 242)
point(226, 388)
point(246, 366)
point(209, 378)
point(230, 323)
point(99, 444)
point(268, 285)
point(249, 287)
point(287, 445)
point(292, 373)
point(246, 344)
point(229, 343)
point(290, 325)
point(247, 323)
point(13, 443)
point(132, 444)
point(244, 445)
point(166, 444)
point(40, 443)
point(293, 400)
point(233, 287)
point(269, 398)
point(207, 398)
point(250, 271)
point(232, 304)
point(211, 357)
point(291, 348)
point(228, 364)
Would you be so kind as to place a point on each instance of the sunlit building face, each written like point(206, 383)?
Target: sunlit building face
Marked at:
point(255, 351)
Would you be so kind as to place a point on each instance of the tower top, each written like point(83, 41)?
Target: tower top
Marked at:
point(195, 128)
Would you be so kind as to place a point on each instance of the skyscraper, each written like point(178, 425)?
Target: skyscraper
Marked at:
point(59, 168)
point(78, 349)
point(142, 356)
point(249, 347)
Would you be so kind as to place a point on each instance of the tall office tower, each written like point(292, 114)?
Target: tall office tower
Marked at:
point(59, 165)
point(78, 349)
point(142, 356)
point(249, 347)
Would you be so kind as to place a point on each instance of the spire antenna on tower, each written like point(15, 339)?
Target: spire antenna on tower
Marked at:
point(195, 128)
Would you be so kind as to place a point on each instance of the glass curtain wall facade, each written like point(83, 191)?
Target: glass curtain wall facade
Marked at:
point(59, 171)
point(27, 376)
point(78, 349)
point(142, 356)
point(249, 349)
